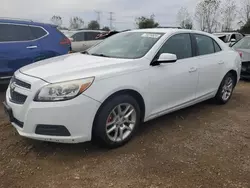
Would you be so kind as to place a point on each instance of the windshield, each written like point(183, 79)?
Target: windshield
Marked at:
point(128, 45)
point(242, 44)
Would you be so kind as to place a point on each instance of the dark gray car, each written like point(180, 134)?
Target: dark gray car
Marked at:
point(243, 47)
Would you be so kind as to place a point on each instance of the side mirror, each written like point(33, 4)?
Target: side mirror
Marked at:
point(165, 58)
point(71, 39)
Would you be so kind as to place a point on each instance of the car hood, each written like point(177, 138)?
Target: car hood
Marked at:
point(77, 66)
point(245, 54)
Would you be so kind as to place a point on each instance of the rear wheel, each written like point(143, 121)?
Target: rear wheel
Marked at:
point(226, 89)
point(116, 121)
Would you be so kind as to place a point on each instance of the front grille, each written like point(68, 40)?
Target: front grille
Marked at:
point(16, 97)
point(20, 83)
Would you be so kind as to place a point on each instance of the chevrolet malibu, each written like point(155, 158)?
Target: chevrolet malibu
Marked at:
point(104, 93)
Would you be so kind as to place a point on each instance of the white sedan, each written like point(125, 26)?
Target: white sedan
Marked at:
point(105, 93)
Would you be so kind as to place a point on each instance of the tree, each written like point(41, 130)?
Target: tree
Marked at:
point(245, 11)
point(207, 14)
point(184, 19)
point(57, 20)
point(93, 25)
point(228, 15)
point(246, 28)
point(76, 23)
point(106, 28)
point(144, 22)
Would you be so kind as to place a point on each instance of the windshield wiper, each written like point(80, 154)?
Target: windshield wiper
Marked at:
point(101, 55)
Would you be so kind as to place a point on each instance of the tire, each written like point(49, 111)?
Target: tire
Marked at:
point(226, 88)
point(109, 123)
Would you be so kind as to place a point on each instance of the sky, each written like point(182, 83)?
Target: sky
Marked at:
point(125, 11)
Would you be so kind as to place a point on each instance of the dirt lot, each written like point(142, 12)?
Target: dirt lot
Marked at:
point(202, 146)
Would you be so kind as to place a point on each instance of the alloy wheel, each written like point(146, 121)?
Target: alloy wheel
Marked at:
point(121, 122)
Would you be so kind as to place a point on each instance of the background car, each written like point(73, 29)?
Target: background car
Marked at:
point(243, 47)
point(229, 38)
point(82, 39)
point(23, 42)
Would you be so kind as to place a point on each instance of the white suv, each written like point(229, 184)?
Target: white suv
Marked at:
point(129, 78)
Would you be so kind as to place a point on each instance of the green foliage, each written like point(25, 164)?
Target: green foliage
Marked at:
point(94, 25)
point(106, 28)
point(246, 28)
point(144, 22)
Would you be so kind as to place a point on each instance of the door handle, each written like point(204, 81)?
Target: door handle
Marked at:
point(221, 62)
point(192, 69)
point(31, 47)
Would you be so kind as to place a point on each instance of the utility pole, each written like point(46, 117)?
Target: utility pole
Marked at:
point(98, 17)
point(111, 19)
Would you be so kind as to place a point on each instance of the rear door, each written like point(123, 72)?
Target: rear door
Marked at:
point(211, 65)
point(18, 48)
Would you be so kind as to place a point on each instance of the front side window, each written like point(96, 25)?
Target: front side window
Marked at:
point(79, 37)
point(204, 44)
point(128, 45)
point(15, 33)
point(179, 44)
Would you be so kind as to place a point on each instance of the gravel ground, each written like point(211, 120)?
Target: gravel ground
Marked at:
point(202, 146)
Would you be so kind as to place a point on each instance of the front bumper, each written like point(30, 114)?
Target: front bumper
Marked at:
point(76, 115)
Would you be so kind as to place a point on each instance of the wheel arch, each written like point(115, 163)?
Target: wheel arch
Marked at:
point(133, 93)
point(235, 75)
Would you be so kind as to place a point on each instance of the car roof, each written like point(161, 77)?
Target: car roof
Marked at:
point(225, 33)
point(23, 21)
point(170, 31)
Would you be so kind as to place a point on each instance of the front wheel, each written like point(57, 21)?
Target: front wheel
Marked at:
point(226, 89)
point(116, 121)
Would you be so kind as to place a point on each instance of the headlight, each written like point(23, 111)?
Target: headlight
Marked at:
point(63, 90)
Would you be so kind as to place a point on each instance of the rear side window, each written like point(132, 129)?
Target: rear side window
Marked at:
point(15, 33)
point(38, 32)
point(179, 44)
point(205, 44)
point(91, 35)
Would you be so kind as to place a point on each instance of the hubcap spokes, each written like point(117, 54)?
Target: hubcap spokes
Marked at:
point(121, 122)
point(227, 89)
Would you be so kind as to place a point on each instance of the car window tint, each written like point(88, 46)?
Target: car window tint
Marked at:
point(179, 44)
point(205, 44)
point(79, 36)
point(12, 33)
point(38, 32)
point(216, 47)
point(91, 35)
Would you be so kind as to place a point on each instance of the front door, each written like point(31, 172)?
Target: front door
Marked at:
point(174, 84)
